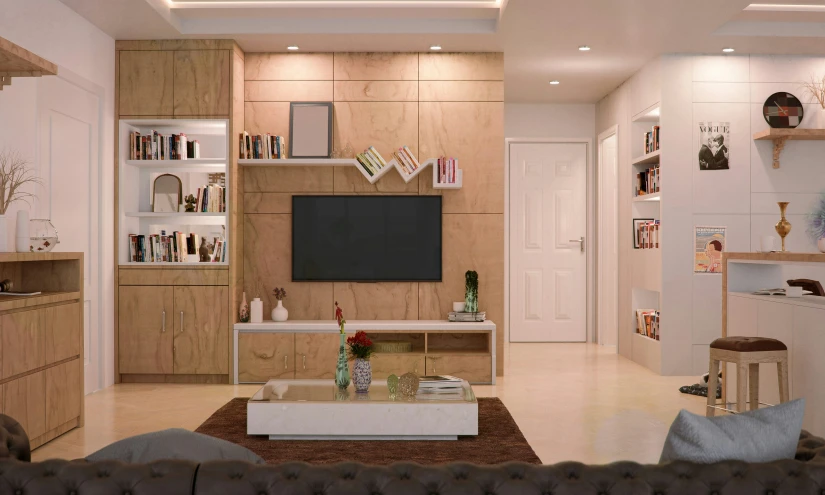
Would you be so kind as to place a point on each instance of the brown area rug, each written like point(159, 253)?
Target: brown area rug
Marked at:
point(499, 440)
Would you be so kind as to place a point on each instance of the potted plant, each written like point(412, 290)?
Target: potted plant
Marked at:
point(816, 224)
point(15, 174)
point(341, 369)
point(471, 291)
point(279, 312)
point(360, 349)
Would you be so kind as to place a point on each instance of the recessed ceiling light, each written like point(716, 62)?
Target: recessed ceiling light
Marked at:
point(292, 47)
point(435, 47)
point(554, 82)
point(728, 50)
point(584, 48)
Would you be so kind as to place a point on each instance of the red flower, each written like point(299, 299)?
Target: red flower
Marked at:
point(360, 346)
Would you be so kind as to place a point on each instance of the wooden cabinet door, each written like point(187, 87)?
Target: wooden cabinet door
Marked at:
point(145, 329)
point(473, 368)
point(64, 391)
point(62, 325)
point(24, 399)
point(264, 356)
point(146, 83)
point(386, 364)
point(23, 342)
point(201, 341)
point(316, 354)
point(202, 83)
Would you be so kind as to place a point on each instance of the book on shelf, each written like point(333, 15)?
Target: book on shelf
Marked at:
point(647, 234)
point(371, 160)
point(647, 181)
point(406, 160)
point(439, 382)
point(651, 140)
point(647, 323)
point(261, 146)
point(465, 317)
point(156, 146)
point(211, 199)
point(177, 247)
point(447, 170)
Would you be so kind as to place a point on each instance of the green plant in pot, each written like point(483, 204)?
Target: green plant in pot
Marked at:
point(471, 291)
point(816, 224)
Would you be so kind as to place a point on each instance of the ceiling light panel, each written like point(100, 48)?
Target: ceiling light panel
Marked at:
point(779, 7)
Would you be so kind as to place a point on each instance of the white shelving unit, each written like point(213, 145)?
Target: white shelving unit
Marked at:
point(646, 263)
point(136, 178)
point(352, 162)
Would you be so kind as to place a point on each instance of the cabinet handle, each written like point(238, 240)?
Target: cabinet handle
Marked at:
point(181, 322)
point(285, 358)
point(305, 360)
point(163, 327)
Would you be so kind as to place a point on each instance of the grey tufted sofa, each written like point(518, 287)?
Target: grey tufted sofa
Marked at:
point(803, 476)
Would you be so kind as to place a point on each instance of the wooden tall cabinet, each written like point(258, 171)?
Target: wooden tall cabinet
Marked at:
point(173, 321)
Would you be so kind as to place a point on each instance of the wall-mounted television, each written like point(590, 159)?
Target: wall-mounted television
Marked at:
point(366, 238)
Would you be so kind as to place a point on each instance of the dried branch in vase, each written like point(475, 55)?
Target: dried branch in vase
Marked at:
point(816, 88)
point(15, 173)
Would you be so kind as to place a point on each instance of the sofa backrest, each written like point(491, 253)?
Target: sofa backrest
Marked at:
point(14, 443)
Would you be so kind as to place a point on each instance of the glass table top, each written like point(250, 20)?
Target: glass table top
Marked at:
point(327, 391)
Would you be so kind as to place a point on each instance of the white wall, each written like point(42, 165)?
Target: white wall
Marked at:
point(55, 32)
point(549, 120)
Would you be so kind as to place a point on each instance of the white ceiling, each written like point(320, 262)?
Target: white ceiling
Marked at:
point(539, 37)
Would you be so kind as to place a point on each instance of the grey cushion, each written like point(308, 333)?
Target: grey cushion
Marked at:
point(175, 443)
point(763, 435)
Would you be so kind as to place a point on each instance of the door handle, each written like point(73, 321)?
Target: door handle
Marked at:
point(181, 322)
point(580, 241)
point(285, 359)
point(163, 327)
point(305, 360)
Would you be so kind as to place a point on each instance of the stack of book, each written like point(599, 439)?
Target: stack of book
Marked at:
point(647, 181)
point(647, 234)
point(440, 387)
point(652, 140)
point(262, 147)
point(175, 248)
point(647, 323)
point(371, 160)
point(447, 168)
point(211, 199)
point(455, 316)
point(406, 160)
point(157, 146)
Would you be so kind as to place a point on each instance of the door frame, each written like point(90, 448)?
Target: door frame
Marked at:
point(590, 230)
point(611, 131)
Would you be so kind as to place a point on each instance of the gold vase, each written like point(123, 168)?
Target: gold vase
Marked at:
point(783, 226)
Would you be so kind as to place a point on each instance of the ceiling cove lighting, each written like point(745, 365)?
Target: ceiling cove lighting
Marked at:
point(435, 48)
point(292, 47)
point(776, 7)
point(728, 50)
point(554, 83)
point(584, 48)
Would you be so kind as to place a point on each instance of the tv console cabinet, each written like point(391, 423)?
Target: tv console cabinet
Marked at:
point(304, 349)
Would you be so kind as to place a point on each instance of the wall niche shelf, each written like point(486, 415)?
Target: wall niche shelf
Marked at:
point(648, 197)
point(16, 61)
point(652, 157)
point(780, 136)
point(352, 162)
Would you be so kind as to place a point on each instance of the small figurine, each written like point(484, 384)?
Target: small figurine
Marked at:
point(203, 251)
point(190, 203)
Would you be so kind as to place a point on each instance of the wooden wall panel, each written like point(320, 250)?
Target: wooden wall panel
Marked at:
point(378, 301)
point(202, 83)
point(461, 67)
point(146, 83)
point(288, 179)
point(263, 117)
point(376, 66)
point(461, 90)
point(288, 66)
point(268, 264)
point(288, 91)
point(376, 91)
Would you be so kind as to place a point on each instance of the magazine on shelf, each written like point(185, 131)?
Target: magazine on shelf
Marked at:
point(467, 317)
point(777, 292)
point(439, 381)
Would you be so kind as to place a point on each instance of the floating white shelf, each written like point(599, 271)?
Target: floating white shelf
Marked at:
point(648, 197)
point(652, 157)
point(177, 263)
point(152, 214)
point(352, 162)
point(219, 162)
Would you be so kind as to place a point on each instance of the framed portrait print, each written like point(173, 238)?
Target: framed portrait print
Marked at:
point(310, 129)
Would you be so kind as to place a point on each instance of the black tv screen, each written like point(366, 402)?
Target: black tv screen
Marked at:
point(366, 238)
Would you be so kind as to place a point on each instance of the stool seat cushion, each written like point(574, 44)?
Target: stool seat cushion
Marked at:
point(748, 344)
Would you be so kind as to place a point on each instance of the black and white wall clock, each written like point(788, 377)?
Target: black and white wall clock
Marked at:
point(783, 111)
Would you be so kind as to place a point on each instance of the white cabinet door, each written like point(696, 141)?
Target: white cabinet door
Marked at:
point(775, 322)
point(808, 367)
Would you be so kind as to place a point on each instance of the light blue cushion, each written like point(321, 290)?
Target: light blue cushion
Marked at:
point(174, 443)
point(764, 435)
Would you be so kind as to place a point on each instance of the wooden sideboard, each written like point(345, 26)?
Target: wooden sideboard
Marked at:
point(41, 343)
point(309, 349)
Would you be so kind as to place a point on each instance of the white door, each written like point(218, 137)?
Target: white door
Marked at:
point(608, 267)
point(548, 222)
point(69, 167)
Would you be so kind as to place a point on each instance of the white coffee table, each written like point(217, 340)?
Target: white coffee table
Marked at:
point(317, 410)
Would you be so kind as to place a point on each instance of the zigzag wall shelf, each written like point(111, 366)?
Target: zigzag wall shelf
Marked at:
point(352, 162)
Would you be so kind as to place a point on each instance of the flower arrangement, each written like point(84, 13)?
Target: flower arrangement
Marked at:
point(360, 346)
point(279, 293)
point(816, 88)
point(816, 221)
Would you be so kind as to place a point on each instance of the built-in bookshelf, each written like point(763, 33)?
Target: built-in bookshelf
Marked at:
point(136, 181)
point(646, 258)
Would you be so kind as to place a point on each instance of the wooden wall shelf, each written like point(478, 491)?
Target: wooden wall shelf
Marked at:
point(780, 136)
point(16, 61)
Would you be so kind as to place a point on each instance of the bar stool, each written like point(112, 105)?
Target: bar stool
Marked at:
point(746, 353)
